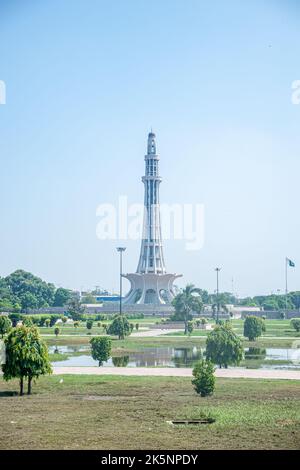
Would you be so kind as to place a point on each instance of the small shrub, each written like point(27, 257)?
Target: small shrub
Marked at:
point(101, 349)
point(204, 378)
point(295, 323)
point(15, 318)
point(5, 325)
point(56, 331)
point(53, 319)
point(119, 327)
point(253, 327)
point(89, 324)
point(190, 327)
point(137, 326)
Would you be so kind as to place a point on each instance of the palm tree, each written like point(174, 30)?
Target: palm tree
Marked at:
point(219, 303)
point(186, 302)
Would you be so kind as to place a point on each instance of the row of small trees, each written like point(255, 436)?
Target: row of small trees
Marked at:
point(224, 348)
point(27, 355)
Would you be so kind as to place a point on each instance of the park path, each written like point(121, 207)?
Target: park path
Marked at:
point(162, 332)
point(179, 372)
point(153, 333)
point(138, 334)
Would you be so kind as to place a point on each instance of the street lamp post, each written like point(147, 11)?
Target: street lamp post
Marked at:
point(120, 249)
point(218, 301)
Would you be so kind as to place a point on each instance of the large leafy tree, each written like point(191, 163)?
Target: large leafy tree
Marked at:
point(223, 299)
point(26, 356)
point(28, 290)
point(224, 347)
point(295, 299)
point(28, 301)
point(185, 303)
point(62, 297)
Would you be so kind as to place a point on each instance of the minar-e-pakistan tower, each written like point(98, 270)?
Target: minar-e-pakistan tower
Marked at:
point(151, 284)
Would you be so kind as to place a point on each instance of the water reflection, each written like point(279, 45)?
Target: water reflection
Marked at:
point(121, 361)
point(186, 357)
point(178, 357)
point(70, 348)
point(255, 353)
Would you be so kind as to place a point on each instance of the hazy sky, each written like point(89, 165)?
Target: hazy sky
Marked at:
point(85, 82)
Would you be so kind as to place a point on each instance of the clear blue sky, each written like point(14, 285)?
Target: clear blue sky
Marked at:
point(87, 79)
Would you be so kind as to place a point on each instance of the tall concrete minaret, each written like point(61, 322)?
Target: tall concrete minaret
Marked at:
point(151, 257)
point(151, 284)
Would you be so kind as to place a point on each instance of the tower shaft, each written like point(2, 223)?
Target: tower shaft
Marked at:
point(151, 256)
point(151, 284)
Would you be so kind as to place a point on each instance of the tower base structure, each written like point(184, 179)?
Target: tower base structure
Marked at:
point(150, 288)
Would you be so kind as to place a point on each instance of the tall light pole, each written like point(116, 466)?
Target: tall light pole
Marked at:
point(218, 302)
point(120, 249)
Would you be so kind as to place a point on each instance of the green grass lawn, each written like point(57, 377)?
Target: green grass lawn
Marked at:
point(94, 412)
point(82, 330)
point(274, 328)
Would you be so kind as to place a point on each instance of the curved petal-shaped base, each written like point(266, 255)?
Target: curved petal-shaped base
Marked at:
point(151, 289)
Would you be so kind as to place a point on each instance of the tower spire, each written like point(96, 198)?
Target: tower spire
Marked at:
point(151, 147)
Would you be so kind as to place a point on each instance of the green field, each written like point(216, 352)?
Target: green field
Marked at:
point(274, 328)
point(132, 343)
point(94, 412)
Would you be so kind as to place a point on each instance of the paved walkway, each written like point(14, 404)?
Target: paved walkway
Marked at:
point(179, 372)
point(153, 333)
point(138, 334)
point(162, 332)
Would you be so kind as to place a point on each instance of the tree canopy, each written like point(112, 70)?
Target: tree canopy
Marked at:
point(224, 347)
point(62, 297)
point(120, 327)
point(253, 327)
point(75, 309)
point(22, 291)
point(26, 356)
point(5, 325)
point(101, 349)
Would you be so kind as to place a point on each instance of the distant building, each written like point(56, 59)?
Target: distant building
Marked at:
point(107, 298)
